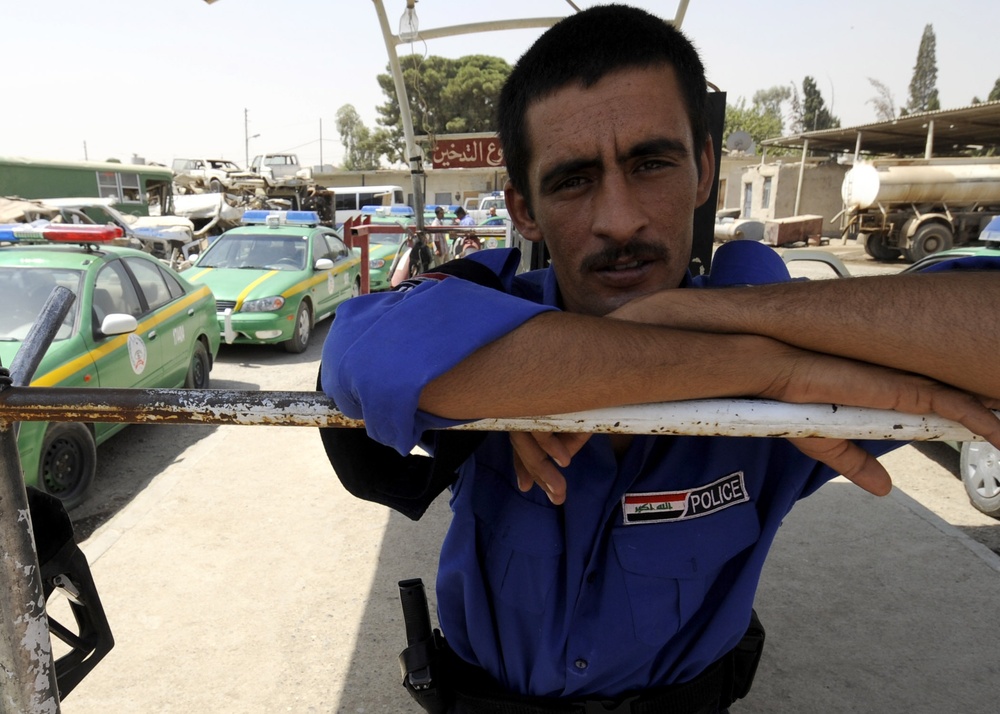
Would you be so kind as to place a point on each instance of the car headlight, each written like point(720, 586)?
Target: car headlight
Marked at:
point(376, 263)
point(268, 304)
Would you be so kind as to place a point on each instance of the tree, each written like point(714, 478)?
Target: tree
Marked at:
point(762, 119)
point(883, 101)
point(815, 115)
point(446, 96)
point(923, 86)
point(995, 92)
point(361, 145)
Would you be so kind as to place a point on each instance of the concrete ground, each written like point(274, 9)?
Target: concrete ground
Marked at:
point(234, 583)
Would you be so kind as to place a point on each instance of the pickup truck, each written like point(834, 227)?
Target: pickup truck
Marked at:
point(201, 175)
point(479, 206)
point(268, 171)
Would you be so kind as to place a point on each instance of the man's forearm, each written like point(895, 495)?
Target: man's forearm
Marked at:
point(560, 362)
point(940, 325)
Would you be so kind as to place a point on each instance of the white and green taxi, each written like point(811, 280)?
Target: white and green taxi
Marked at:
point(276, 276)
point(134, 324)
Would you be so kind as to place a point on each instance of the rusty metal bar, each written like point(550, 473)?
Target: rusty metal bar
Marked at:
point(26, 662)
point(708, 417)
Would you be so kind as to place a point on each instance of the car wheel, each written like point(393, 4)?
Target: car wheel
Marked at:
point(215, 186)
point(980, 469)
point(197, 376)
point(303, 330)
point(929, 238)
point(68, 462)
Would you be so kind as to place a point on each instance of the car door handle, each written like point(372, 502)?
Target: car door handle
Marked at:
point(151, 334)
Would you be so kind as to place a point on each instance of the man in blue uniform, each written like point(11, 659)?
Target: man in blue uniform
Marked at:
point(617, 573)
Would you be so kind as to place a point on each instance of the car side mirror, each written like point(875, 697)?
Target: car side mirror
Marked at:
point(118, 323)
point(323, 264)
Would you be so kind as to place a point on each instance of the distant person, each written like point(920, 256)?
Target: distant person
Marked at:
point(463, 218)
point(438, 216)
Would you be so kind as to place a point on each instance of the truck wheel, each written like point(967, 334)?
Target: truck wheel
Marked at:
point(929, 238)
point(215, 186)
point(303, 330)
point(68, 462)
point(980, 470)
point(876, 247)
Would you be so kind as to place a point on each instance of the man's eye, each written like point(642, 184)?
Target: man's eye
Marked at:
point(653, 164)
point(571, 182)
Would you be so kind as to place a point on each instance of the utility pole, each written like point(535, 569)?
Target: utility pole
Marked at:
point(321, 141)
point(246, 139)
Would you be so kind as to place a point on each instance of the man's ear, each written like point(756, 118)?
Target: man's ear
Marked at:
point(520, 213)
point(707, 173)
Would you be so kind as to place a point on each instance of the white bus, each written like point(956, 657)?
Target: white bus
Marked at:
point(348, 200)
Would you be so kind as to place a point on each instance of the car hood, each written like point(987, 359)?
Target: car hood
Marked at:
point(239, 284)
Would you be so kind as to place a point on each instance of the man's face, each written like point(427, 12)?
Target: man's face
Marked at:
point(614, 181)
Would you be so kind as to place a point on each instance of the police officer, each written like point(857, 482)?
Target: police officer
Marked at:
point(615, 573)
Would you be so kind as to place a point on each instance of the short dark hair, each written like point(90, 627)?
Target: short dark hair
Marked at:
point(583, 48)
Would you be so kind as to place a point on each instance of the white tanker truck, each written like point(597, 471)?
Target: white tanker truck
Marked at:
point(915, 207)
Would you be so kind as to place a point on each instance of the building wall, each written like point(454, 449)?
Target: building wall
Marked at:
point(773, 188)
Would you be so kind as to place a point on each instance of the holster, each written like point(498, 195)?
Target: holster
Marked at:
point(746, 657)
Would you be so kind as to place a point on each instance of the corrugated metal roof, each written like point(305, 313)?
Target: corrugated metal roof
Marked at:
point(955, 131)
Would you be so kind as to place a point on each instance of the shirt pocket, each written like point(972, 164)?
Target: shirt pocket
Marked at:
point(668, 568)
point(524, 545)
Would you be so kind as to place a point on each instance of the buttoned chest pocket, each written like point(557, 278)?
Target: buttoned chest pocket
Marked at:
point(668, 568)
point(524, 544)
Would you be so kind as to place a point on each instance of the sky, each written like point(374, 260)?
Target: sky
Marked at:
point(99, 79)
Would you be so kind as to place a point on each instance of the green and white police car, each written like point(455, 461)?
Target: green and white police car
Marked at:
point(134, 323)
point(276, 276)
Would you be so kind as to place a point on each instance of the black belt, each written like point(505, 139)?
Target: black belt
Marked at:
point(476, 693)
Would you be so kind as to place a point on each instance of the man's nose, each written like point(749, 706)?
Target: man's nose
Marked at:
point(617, 213)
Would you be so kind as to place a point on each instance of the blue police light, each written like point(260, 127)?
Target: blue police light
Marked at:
point(7, 231)
point(991, 233)
point(280, 218)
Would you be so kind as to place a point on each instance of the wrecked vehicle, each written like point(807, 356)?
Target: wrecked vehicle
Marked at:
point(204, 175)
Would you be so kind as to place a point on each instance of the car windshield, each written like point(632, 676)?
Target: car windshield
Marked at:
point(23, 291)
point(256, 251)
point(385, 238)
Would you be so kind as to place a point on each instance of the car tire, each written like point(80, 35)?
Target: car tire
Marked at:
point(215, 186)
point(930, 238)
point(979, 465)
point(198, 369)
point(68, 462)
point(303, 330)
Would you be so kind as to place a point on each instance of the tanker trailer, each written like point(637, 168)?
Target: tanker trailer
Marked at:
point(915, 207)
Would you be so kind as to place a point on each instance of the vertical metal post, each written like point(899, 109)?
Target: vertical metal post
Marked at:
point(27, 670)
point(802, 169)
point(929, 147)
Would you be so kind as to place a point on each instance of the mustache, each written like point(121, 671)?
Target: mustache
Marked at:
point(636, 249)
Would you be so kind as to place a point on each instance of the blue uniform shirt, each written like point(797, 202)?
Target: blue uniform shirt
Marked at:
point(647, 574)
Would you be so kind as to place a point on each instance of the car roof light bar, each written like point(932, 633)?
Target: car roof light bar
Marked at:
point(280, 218)
point(57, 233)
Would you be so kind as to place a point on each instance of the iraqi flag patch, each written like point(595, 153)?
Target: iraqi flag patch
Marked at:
point(660, 506)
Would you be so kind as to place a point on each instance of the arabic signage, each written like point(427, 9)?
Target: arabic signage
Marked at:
point(467, 153)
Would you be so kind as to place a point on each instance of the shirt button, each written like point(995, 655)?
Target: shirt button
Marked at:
point(581, 664)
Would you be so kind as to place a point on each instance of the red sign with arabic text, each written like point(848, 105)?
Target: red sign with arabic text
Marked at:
point(471, 153)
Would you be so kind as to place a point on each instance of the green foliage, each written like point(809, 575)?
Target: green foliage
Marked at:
point(762, 119)
point(923, 86)
point(883, 101)
point(815, 115)
point(362, 146)
point(995, 92)
point(446, 96)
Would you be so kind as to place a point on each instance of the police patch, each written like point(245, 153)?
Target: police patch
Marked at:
point(663, 506)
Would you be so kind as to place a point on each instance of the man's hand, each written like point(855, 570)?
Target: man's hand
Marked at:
point(536, 454)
